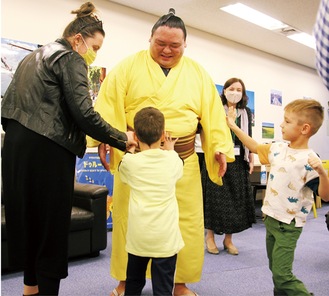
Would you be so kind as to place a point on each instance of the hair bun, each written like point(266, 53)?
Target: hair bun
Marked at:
point(86, 9)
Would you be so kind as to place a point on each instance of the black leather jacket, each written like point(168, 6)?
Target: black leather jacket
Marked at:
point(49, 94)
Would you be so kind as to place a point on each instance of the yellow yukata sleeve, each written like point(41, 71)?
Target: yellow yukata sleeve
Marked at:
point(110, 105)
point(215, 134)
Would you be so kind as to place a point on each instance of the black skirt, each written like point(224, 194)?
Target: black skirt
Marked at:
point(38, 182)
point(229, 208)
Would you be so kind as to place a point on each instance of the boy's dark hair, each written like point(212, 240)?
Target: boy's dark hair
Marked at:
point(149, 124)
point(170, 20)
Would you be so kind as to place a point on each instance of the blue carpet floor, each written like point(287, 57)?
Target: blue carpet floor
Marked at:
point(223, 275)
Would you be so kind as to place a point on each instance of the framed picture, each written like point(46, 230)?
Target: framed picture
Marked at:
point(276, 97)
point(268, 130)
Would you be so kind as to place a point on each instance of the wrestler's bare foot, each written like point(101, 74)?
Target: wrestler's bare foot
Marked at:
point(182, 290)
point(30, 290)
point(119, 290)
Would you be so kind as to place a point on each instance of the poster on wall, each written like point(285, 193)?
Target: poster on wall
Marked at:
point(12, 52)
point(268, 130)
point(276, 97)
point(89, 170)
point(251, 101)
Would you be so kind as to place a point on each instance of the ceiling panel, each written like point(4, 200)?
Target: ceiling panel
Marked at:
point(206, 15)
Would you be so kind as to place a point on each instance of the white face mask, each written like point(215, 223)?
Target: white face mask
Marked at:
point(233, 97)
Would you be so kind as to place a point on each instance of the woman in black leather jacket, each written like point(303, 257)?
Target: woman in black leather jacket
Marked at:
point(46, 113)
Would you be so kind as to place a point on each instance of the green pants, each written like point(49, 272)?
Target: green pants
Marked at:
point(281, 241)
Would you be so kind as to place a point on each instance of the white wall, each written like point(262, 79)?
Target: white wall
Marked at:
point(128, 30)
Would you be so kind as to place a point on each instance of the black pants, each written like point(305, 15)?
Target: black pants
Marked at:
point(201, 160)
point(38, 182)
point(162, 273)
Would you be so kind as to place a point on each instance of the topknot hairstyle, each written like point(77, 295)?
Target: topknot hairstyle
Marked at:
point(170, 20)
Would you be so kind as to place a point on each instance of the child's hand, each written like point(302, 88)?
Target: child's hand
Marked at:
point(131, 149)
point(316, 164)
point(169, 143)
point(231, 116)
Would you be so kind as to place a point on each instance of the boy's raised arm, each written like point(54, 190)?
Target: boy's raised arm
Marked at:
point(244, 138)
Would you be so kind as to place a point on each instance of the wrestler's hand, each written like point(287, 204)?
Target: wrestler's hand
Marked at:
point(103, 149)
point(221, 159)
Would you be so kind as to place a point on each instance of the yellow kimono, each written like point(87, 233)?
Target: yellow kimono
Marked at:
point(186, 97)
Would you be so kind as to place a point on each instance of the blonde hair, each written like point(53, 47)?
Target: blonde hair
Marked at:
point(309, 111)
